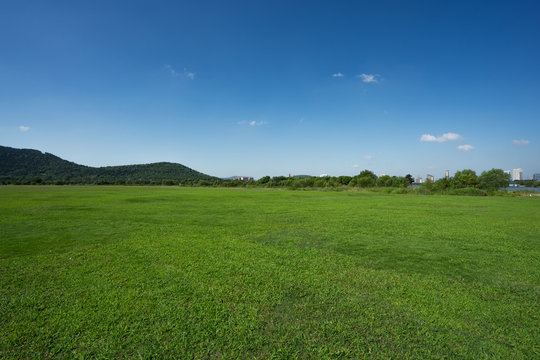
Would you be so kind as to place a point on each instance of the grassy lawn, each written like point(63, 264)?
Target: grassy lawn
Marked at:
point(168, 272)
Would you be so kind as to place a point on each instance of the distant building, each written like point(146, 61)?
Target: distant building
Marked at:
point(243, 178)
point(430, 178)
point(536, 177)
point(419, 180)
point(447, 174)
point(517, 174)
point(324, 175)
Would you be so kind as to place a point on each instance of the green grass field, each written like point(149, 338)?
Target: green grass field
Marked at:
point(168, 272)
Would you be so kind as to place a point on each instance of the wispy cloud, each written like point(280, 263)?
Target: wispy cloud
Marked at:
point(520, 142)
point(171, 70)
point(338, 75)
point(367, 157)
point(188, 74)
point(465, 147)
point(24, 128)
point(355, 166)
point(369, 78)
point(444, 137)
point(252, 123)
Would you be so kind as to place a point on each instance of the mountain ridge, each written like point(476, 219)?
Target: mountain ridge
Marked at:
point(34, 166)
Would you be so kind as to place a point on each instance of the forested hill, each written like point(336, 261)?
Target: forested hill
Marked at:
point(20, 166)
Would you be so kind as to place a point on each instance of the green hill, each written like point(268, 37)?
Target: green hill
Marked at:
point(23, 166)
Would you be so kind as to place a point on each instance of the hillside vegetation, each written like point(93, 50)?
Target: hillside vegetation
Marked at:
point(26, 166)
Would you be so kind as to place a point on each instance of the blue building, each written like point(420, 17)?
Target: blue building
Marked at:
point(536, 177)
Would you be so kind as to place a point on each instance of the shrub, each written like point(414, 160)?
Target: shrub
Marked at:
point(470, 191)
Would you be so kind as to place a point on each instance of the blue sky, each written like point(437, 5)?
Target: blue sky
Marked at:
point(275, 87)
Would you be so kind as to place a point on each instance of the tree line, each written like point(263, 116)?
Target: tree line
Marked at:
point(467, 182)
point(464, 179)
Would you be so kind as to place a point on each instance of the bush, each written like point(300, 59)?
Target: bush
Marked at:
point(470, 191)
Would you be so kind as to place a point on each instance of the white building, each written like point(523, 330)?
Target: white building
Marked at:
point(447, 174)
point(430, 178)
point(243, 178)
point(517, 174)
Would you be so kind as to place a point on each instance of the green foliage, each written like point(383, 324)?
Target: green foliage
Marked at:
point(202, 273)
point(264, 180)
point(384, 181)
point(494, 179)
point(442, 185)
point(394, 181)
point(470, 191)
point(170, 182)
point(365, 179)
point(399, 181)
point(344, 180)
point(529, 183)
point(409, 178)
point(31, 167)
point(24, 166)
point(427, 186)
point(465, 178)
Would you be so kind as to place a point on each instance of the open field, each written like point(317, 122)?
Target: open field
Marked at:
point(168, 272)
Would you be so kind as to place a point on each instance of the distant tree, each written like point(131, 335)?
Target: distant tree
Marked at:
point(36, 180)
point(366, 179)
point(344, 180)
point(263, 180)
point(409, 178)
point(202, 182)
point(384, 181)
point(399, 181)
point(307, 182)
point(442, 184)
point(427, 185)
point(333, 182)
point(494, 179)
point(368, 173)
point(465, 178)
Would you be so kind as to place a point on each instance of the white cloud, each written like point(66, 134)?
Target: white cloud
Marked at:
point(252, 123)
point(520, 142)
point(24, 128)
point(355, 166)
point(171, 70)
point(188, 74)
point(367, 157)
point(428, 138)
point(444, 137)
point(465, 147)
point(369, 78)
point(338, 75)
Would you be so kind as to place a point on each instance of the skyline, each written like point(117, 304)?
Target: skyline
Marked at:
point(256, 88)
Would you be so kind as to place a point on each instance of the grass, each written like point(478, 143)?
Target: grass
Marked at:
point(162, 272)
